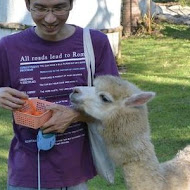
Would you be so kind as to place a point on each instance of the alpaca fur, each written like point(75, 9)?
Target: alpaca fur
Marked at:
point(121, 107)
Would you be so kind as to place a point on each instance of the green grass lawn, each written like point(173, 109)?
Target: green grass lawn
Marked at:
point(156, 64)
point(162, 65)
point(5, 137)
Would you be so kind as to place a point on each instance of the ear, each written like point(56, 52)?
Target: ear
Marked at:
point(27, 4)
point(139, 99)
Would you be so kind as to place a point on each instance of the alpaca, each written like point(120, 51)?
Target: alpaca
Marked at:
point(121, 107)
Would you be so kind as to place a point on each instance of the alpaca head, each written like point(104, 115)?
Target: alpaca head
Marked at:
point(109, 95)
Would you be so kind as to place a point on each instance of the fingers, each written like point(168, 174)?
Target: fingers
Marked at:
point(16, 93)
point(52, 130)
point(47, 128)
point(49, 123)
point(11, 102)
point(11, 98)
point(54, 125)
point(56, 107)
point(61, 119)
point(57, 123)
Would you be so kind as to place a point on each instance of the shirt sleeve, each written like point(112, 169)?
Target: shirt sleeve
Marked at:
point(104, 58)
point(4, 68)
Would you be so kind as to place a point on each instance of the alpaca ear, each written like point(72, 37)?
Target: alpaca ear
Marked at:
point(139, 99)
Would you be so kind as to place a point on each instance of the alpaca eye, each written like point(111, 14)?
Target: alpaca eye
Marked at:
point(105, 98)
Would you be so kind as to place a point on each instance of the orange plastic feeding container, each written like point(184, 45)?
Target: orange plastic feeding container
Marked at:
point(33, 114)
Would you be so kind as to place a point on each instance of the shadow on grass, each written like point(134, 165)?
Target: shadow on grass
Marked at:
point(166, 149)
point(161, 83)
point(175, 32)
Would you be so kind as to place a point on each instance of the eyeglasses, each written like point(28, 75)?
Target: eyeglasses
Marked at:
point(43, 11)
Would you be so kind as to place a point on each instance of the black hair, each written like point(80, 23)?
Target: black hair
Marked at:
point(71, 1)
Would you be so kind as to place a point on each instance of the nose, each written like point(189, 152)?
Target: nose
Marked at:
point(76, 90)
point(50, 17)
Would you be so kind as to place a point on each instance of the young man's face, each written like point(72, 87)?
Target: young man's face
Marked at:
point(50, 17)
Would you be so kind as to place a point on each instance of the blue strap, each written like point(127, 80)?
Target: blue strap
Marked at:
point(44, 142)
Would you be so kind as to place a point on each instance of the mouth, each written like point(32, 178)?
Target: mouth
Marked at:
point(75, 105)
point(50, 28)
point(75, 101)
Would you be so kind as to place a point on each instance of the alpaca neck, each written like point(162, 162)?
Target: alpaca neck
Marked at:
point(143, 174)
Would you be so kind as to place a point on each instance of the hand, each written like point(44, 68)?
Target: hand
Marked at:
point(11, 99)
point(61, 119)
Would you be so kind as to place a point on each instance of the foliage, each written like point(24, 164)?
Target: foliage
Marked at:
point(181, 2)
point(143, 27)
point(184, 2)
point(161, 30)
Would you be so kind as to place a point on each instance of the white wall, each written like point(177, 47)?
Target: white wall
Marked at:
point(98, 14)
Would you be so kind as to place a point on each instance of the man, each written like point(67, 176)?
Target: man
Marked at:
point(47, 61)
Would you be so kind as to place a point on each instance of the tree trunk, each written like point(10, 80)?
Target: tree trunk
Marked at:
point(149, 16)
point(127, 17)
